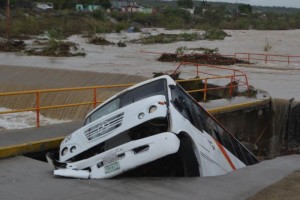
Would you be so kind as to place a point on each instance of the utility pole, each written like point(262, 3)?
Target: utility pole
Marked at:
point(8, 20)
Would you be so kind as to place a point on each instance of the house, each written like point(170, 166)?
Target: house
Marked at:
point(44, 6)
point(129, 6)
point(119, 4)
point(190, 10)
point(87, 7)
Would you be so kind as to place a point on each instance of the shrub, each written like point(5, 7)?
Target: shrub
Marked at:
point(121, 26)
point(215, 34)
point(169, 38)
point(26, 26)
point(99, 14)
point(56, 34)
point(173, 22)
point(178, 12)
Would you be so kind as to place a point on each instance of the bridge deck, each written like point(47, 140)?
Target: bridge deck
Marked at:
point(28, 179)
point(19, 142)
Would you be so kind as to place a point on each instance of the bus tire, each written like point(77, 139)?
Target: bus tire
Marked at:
point(188, 158)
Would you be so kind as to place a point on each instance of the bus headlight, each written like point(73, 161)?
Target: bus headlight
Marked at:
point(64, 151)
point(152, 109)
point(141, 115)
point(73, 148)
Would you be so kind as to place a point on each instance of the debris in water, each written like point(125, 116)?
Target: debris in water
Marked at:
point(12, 45)
point(213, 59)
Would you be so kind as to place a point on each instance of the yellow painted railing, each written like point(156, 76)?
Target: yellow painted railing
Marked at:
point(95, 101)
point(38, 94)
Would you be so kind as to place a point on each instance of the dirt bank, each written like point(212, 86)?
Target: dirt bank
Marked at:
point(288, 188)
point(29, 78)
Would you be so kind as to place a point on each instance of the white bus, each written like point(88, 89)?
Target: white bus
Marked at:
point(153, 128)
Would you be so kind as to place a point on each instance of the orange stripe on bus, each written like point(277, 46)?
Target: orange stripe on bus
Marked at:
point(225, 155)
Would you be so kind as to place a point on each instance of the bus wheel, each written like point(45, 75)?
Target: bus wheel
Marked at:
point(188, 158)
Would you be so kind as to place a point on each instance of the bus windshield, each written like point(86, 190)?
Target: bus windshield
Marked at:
point(151, 89)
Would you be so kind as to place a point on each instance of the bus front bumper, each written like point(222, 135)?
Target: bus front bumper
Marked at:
point(119, 159)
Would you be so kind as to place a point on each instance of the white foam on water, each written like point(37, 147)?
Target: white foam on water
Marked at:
point(24, 120)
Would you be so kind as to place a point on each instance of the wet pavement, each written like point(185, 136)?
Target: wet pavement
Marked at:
point(24, 178)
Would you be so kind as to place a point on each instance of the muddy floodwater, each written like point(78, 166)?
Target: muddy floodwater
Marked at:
point(279, 79)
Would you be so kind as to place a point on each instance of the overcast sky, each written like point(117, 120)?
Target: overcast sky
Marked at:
point(281, 3)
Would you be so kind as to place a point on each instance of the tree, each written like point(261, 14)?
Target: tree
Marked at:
point(245, 8)
point(185, 3)
point(58, 3)
point(105, 4)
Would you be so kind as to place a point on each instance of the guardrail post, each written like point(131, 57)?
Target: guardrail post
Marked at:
point(37, 109)
point(246, 79)
point(205, 90)
point(95, 97)
point(288, 59)
point(234, 57)
point(266, 60)
point(230, 87)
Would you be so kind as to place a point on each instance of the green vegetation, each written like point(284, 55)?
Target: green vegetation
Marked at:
point(99, 41)
point(210, 34)
point(56, 49)
point(169, 38)
point(185, 3)
point(169, 17)
point(203, 50)
point(26, 20)
point(215, 34)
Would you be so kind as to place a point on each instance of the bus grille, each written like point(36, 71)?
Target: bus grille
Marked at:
point(104, 127)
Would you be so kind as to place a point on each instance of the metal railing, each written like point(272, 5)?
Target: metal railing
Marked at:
point(268, 58)
point(38, 93)
point(248, 57)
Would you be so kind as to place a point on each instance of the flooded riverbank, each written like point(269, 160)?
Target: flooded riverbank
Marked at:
point(279, 79)
point(112, 64)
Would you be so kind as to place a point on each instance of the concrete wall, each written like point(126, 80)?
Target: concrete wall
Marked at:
point(273, 128)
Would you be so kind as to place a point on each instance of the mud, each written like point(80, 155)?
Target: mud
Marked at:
point(288, 188)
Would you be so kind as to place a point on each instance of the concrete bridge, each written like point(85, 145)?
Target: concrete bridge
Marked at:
point(26, 178)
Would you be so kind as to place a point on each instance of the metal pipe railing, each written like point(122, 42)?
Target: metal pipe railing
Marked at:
point(267, 58)
point(249, 57)
point(38, 93)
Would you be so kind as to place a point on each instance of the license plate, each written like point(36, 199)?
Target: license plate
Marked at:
point(112, 167)
point(110, 159)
